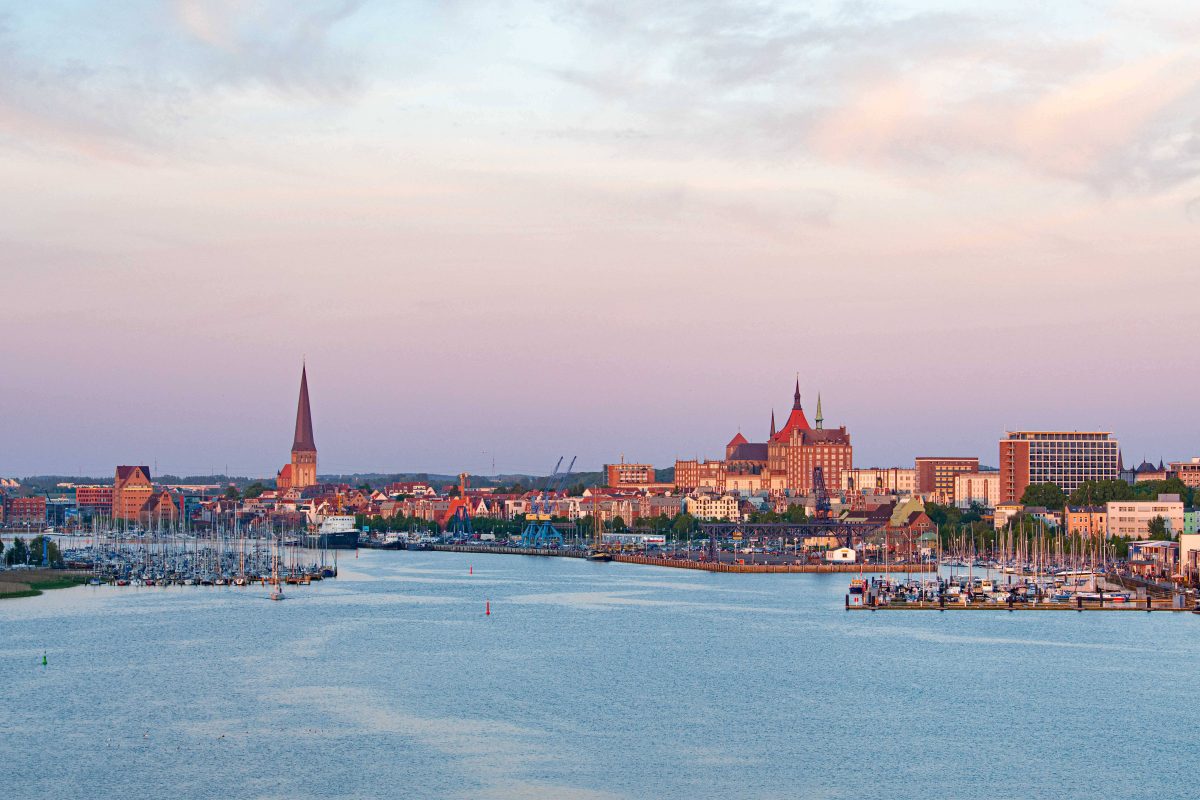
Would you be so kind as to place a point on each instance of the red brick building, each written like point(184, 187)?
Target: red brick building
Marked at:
point(131, 489)
point(935, 475)
point(628, 474)
point(94, 499)
point(25, 510)
point(301, 471)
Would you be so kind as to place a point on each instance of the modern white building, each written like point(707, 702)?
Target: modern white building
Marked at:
point(1131, 518)
point(894, 480)
point(841, 555)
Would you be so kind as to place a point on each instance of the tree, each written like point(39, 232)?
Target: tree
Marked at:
point(685, 524)
point(1157, 528)
point(794, 514)
point(1097, 493)
point(1045, 495)
point(231, 492)
point(254, 490)
point(618, 524)
point(18, 552)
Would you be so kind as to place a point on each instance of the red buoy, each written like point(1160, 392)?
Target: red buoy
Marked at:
point(471, 570)
point(487, 608)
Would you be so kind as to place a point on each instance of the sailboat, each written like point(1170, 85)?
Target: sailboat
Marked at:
point(277, 592)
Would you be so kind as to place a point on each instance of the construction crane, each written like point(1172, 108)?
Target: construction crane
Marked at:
point(539, 528)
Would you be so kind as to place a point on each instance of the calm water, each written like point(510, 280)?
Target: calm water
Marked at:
point(588, 681)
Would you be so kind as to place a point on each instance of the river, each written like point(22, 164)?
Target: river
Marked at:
point(586, 681)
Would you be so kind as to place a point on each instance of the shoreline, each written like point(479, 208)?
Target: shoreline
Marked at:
point(35, 582)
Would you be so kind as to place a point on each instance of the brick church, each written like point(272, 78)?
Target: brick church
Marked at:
point(781, 465)
point(301, 472)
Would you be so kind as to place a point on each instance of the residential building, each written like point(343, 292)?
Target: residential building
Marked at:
point(935, 475)
point(976, 488)
point(132, 487)
point(1187, 471)
point(696, 475)
point(1005, 513)
point(1146, 471)
point(709, 506)
point(1086, 521)
point(1191, 520)
point(880, 480)
point(1065, 458)
point(301, 471)
point(1131, 518)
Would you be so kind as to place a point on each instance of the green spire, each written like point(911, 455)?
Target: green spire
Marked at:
point(820, 418)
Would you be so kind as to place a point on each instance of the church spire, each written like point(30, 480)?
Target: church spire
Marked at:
point(796, 397)
point(772, 422)
point(304, 431)
point(820, 417)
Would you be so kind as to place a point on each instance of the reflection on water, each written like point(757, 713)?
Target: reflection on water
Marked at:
point(586, 681)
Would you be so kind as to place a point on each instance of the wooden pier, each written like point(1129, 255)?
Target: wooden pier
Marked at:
point(1143, 605)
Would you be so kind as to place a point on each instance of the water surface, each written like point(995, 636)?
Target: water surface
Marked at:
point(587, 681)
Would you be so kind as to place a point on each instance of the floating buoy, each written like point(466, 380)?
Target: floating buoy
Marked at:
point(471, 570)
point(43, 658)
point(487, 608)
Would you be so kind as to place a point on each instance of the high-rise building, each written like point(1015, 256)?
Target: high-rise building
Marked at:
point(301, 471)
point(1064, 458)
point(935, 475)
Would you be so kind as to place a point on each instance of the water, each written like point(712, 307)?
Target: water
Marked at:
point(588, 681)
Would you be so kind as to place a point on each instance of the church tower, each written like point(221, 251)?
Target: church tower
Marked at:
point(302, 471)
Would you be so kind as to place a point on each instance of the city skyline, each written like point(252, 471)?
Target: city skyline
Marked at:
point(501, 233)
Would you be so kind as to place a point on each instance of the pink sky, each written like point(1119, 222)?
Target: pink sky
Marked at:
point(501, 233)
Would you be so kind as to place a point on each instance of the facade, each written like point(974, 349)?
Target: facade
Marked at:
point(301, 471)
point(1131, 518)
point(880, 480)
point(634, 475)
point(131, 489)
point(1065, 458)
point(1187, 471)
point(982, 488)
point(25, 510)
point(783, 464)
point(935, 475)
point(161, 510)
point(1086, 521)
point(708, 506)
point(94, 499)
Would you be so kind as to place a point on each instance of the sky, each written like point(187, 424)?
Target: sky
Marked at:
point(502, 232)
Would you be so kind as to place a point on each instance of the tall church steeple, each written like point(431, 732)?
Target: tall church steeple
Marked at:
point(304, 432)
point(301, 472)
point(772, 422)
point(820, 417)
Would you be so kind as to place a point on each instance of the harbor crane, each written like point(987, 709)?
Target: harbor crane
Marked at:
point(539, 526)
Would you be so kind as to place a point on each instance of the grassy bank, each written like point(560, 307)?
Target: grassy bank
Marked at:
point(34, 582)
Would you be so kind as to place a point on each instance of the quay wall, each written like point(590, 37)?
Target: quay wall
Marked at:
point(679, 563)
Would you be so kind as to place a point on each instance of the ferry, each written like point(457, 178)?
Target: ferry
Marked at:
point(338, 533)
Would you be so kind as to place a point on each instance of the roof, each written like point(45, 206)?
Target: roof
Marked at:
point(796, 421)
point(304, 432)
point(749, 451)
point(737, 440)
point(124, 472)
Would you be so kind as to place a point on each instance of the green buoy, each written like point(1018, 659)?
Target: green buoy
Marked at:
point(43, 658)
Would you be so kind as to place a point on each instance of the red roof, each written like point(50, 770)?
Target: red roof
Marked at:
point(735, 441)
point(796, 421)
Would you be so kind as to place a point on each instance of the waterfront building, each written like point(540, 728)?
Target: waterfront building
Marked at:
point(91, 500)
point(782, 464)
point(301, 471)
point(1131, 518)
point(1189, 556)
point(935, 475)
point(880, 480)
point(25, 510)
point(1086, 521)
point(1153, 559)
point(1191, 520)
point(1065, 458)
point(1005, 513)
point(976, 488)
point(161, 510)
point(132, 487)
point(1187, 471)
